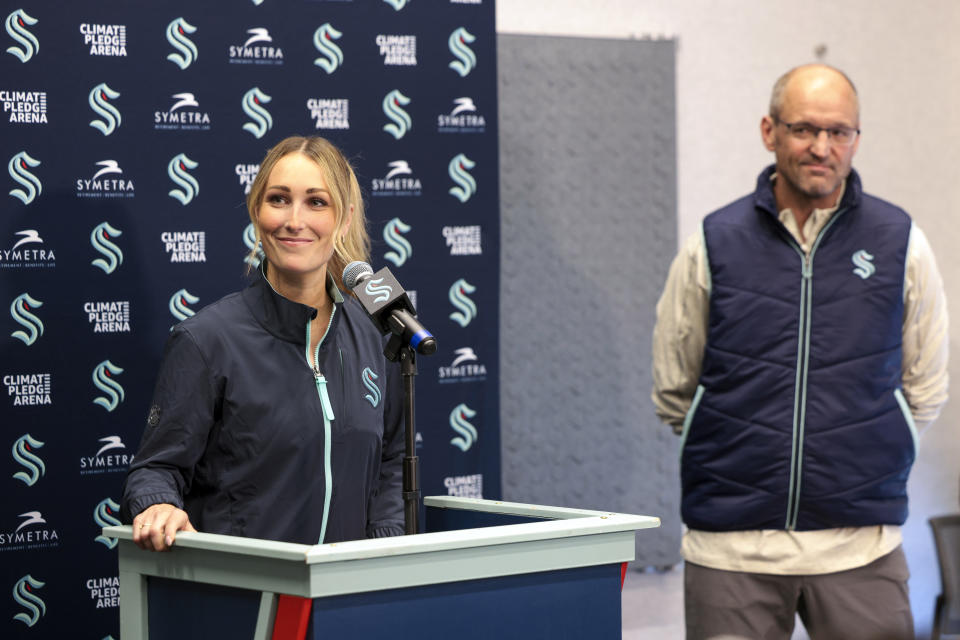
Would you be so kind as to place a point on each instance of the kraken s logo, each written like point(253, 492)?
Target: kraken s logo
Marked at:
point(401, 247)
point(103, 380)
point(466, 186)
point(466, 59)
point(864, 265)
point(98, 102)
point(332, 54)
point(177, 37)
point(396, 4)
point(466, 309)
point(458, 422)
point(178, 305)
point(250, 240)
point(100, 239)
point(177, 170)
point(17, 167)
point(23, 453)
point(401, 121)
point(368, 378)
point(381, 291)
point(104, 516)
point(17, 29)
point(24, 596)
point(252, 103)
point(20, 310)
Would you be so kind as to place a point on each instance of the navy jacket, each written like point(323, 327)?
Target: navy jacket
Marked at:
point(250, 441)
point(799, 421)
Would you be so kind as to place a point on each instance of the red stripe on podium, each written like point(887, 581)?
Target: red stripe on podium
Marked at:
point(293, 615)
point(623, 574)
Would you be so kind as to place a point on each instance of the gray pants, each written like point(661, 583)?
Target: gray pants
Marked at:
point(866, 603)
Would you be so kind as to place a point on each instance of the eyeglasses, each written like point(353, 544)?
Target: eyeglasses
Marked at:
point(806, 132)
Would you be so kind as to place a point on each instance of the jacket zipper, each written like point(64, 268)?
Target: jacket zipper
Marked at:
point(313, 361)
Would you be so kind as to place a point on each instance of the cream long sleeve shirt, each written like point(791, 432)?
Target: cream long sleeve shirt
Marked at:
point(679, 337)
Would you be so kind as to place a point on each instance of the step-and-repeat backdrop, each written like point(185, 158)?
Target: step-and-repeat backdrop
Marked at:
point(131, 133)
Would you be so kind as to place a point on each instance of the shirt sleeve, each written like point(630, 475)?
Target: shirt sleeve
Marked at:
point(925, 333)
point(680, 333)
point(385, 512)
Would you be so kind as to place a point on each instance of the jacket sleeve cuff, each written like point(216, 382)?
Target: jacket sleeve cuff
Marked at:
point(134, 506)
point(385, 531)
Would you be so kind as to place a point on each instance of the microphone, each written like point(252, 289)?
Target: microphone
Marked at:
point(388, 306)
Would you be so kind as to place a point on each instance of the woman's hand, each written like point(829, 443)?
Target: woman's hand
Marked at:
point(155, 528)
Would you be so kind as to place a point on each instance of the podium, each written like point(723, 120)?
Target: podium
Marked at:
point(483, 569)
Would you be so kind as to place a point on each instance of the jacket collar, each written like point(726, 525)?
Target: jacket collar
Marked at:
point(280, 316)
point(764, 198)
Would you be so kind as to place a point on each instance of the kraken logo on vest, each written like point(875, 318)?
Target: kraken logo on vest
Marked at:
point(17, 168)
point(252, 103)
point(467, 433)
point(397, 4)
point(23, 594)
point(466, 309)
point(178, 305)
point(466, 59)
point(183, 115)
point(28, 389)
point(397, 50)
point(463, 240)
point(249, 238)
point(464, 368)
point(252, 53)
point(185, 246)
point(463, 118)
point(103, 380)
point(381, 291)
point(464, 184)
point(106, 182)
point(401, 250)
point(27, 257)
point(21, 309)
point(400, 121)
point(105, 39)
point(98, 101)
point(332, 55)
point(105, 515)
point(112, 316)
point(16, 25)
point(25, 107)
point(177, 32)
point(30, 535)
point(177, 170)
point(465, 486)
point(329, 113)
point(399, 181)
point(368, 379)
point(112, 255)
point(24, 455)
point(116, 462)
point(864, 264)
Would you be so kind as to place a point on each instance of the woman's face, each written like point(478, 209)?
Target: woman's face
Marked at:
point(297, 219)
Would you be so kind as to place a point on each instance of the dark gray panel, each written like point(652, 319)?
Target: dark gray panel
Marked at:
point(588, 206)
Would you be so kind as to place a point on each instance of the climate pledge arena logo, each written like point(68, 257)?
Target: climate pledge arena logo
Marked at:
point(108, 316)
point(28, 389)
point(185, 246)
point(25, 107)
point(464, 486)
point(105, 39)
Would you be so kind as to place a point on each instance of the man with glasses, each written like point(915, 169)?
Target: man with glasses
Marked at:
point(801, 341)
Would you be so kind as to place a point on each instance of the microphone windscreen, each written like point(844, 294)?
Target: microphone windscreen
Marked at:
point(354, 271)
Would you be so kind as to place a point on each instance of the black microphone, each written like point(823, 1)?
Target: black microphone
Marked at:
point(388, 306)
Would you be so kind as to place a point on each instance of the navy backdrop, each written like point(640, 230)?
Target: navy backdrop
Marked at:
point(130, 134)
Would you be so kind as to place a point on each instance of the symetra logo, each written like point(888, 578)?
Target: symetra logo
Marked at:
point(183, 115)
point(399, 181)
point(23, 594)
point(105, 39)
point(17, 168)
point(23, 454)
point(864, 264)
point(331, 55)
point(178, 305)
point(107, 182)
point(397, 4)
point(258, 49)
point(111, 316)
point(109, 458)
point(105, 515)
point(33, 533)
point(28, 389)
point(16, 25)
point(400, 121)
point(98, 101)
point(250, 239)
point(465, 367)
point(466, 432)
point(466, 59)
point(401, 250)
point(20, 310)
point(369, 377)
point(466, 309)
point(177, 170)
point(465, 185)
point(463, 240)
point(177, 37)
point(381, 291)
point(26, 257)
point(252, 103)
point(103, 380)
point(185, 246)
point(112, 255)
point(465, 486)
point(25, 107)
point(397, 50)
point(463, 118)
point(330, 113)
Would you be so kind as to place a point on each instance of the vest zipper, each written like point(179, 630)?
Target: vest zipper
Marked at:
point(313, 361)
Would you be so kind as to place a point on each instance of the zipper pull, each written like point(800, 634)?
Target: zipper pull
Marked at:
point(322, 391)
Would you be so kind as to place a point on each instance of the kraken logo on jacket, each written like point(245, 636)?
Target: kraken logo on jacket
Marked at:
point(21, 311)
point(24, 455)
point(177, 37)
point(105, 515)
point(112, 255)
point(864, 264)
point(400, 121)
point(17, 168)
point(401, 248)
point(368, 378)
point(464, 184)
point(332, 55)
point(467, 433)
point(103, 380)
point(177, 169)
point(466, 309)
point(23, 594)
point(466, 59)
point(252, 103)
point(178, 305)
point(17, 29)
point(98, 101)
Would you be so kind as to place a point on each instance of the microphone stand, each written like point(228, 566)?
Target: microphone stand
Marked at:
point(394, 351)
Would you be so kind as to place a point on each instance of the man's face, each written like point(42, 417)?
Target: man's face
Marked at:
point(813, 169)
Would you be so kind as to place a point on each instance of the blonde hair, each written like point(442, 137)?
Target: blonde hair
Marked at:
point(352, 244)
